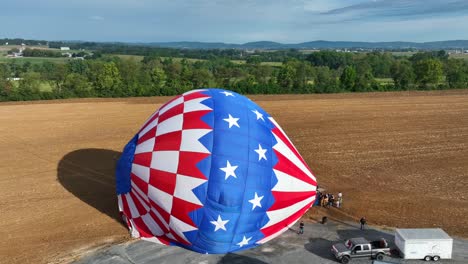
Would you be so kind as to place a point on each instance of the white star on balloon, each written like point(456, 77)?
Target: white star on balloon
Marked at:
point(219, 223)
point(229, 170)
point(256, 201)
point(259, 115)
point(261, 153)
point(232, 121)
point(245, 241)
point(227, 93)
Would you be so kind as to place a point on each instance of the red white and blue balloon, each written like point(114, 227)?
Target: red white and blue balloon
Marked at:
point(212, 172)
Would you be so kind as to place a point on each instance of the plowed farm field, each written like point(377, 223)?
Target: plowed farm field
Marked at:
point(400, 159)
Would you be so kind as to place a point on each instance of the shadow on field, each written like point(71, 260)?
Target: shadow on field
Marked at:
point(238, 259)
point(89, 175)
point(321, 247)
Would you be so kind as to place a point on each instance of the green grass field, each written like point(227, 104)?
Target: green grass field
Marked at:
point(267, 63)
point(459, 56)
point(140, 58)
point(272, 63)
point(404, 53)
point(410, 53)
point(44, 86)
point(4, 50)
point(384, 80)
point(4, 59)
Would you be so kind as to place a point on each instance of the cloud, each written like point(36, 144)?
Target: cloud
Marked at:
point(236, 21)
point(98, 18)
point(400, 8)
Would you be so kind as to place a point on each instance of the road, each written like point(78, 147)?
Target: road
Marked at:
point(311, 247)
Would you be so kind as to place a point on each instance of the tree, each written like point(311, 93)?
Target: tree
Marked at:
point(28, 88)
point(420, 56)
point(402, 74)
point(348, 78)
point(201, 78)
point(158, 79)
point(325, 80)
point(303, 72)
point(428, 71)
point(457, 73)
point(6, 86)
point(57, 76)
point(380, 63)
point(262, 73)
point(77, 66)
point(364, 78)
point(286, 77)
point(129, 71)
point(76, 85)
point(254, 60)
point(332, 59)
point(108, 80)
point(186, 72)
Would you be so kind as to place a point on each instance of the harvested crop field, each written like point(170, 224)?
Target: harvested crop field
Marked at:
point(400, 159)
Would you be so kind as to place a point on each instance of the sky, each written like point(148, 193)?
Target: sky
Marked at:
point(235, 21)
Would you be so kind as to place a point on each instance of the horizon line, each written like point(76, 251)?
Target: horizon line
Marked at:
point(229, 43)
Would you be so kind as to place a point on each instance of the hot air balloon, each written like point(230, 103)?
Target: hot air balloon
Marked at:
point(212, 172)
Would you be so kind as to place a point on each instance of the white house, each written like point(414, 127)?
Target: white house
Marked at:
point(64, 48)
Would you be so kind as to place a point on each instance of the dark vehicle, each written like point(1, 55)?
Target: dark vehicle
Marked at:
point(360, 248)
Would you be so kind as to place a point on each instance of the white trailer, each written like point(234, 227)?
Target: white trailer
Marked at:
point(424, 243)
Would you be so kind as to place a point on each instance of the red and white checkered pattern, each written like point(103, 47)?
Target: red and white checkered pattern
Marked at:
point(164, 170)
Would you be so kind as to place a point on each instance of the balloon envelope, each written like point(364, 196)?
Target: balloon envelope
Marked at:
point(212, 172)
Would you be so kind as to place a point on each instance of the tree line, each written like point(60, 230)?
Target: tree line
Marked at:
point(318, 72)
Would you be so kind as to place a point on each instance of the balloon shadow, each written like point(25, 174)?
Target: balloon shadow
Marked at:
point(240, 259)
point(89, 175)
point(321, 247)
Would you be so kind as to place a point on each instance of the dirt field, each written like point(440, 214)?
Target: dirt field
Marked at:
point(400, 159)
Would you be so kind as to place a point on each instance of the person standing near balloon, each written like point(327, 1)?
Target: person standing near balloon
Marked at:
point(340, 200)
point(301, 228)
point(363, 222)
point(325, 200)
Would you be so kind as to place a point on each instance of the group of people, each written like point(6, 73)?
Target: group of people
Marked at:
point(328, 200)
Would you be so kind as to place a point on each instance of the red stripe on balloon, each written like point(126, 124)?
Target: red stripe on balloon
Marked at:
point(188, 164)
point(288, 143)
point(273, 229)
point(168, 141)
point(195, 95)
point(140, 183)
point(148, 135)
point(162, 180)
point(287, 166)
point(192, 120)
point(142, 228)
point(171, 112)
point(141, 209)
point(158, 222)
point(182, 208)
point(286, 199)
point(143, 159)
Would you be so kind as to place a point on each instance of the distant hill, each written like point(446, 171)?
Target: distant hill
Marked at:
point(265, 45)
point(319, 44)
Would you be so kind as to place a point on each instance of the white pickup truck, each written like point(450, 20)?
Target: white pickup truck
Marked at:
point(360, 248)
